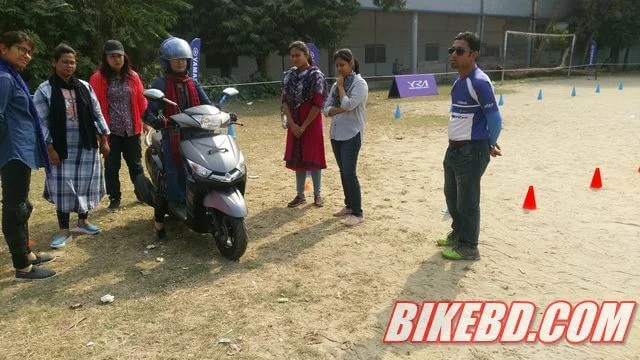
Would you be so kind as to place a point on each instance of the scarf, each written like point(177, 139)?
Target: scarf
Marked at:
point(41, 144)
point(58, 115)
point(300, 86)
point(173, 93)
point(348, 81)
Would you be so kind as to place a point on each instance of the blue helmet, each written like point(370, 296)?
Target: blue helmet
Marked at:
point(174, 48)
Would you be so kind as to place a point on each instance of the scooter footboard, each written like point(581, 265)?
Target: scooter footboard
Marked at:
point(230, 202)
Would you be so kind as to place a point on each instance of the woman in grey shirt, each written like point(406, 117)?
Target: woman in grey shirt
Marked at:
point(346, 104)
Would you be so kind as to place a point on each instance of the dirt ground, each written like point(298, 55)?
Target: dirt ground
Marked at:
point(310, 288)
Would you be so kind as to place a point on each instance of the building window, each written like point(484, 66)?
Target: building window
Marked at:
point(431, 52)
point(375, 53)
point(491, 51)
point(217, 61)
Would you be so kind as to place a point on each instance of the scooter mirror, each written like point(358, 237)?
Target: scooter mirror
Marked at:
point(153, 94)
point(157, 95)
point(230, 91)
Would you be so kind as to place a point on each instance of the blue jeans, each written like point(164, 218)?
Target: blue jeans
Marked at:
point(463, 169)
point(346, 153)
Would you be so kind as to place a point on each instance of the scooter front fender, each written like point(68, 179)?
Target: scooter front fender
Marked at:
point(230, 203)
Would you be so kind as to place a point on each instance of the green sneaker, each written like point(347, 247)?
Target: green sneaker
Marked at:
point(461, 253)
point(450, 240)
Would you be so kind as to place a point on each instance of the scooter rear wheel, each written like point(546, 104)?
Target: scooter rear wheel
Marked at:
point(233, 244)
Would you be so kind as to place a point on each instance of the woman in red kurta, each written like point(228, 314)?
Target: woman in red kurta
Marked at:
point(303, 93)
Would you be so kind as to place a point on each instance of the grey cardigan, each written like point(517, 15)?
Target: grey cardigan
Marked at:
point(349, 123)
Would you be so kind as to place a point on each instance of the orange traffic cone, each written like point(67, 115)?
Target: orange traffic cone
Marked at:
point(596, 182)
point(32, 243)
point(530, 200)
point(307, 183)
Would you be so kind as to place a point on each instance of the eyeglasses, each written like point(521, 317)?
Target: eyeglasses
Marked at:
point(458, 50)
point(68, 62)
point(23, 50)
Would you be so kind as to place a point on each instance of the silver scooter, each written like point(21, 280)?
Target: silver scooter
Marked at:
point(215, 171)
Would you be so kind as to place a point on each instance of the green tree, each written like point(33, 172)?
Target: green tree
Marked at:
point(612, 23)
point(140, 25)
point(258, 28)
point(388, 5)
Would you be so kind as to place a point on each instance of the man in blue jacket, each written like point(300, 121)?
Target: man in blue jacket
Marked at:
point(474, 127)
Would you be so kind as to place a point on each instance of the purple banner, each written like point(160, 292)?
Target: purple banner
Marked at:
point(593, 50)
point(314, 54)
point(195, 63)
point(413, 85)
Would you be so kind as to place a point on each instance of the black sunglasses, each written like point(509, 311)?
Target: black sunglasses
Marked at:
point(458, 50)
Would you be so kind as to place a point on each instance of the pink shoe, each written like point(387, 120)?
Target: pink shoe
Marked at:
point(343, 212)
point(353, 220)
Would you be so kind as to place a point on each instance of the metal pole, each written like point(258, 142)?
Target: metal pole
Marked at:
point(375, 42)
point(573, 44)
point(504, 53)
point(414, 43)
point(532, 28)
point(482, 17)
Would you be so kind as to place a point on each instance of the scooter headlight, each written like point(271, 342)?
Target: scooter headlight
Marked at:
point(213, 122)
point(199, 169)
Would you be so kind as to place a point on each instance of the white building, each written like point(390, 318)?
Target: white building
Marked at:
point(418, 36)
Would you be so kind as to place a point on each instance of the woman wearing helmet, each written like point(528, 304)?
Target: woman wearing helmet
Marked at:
point(179, 87)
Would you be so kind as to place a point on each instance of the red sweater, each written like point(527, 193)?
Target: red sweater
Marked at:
point(138, 102)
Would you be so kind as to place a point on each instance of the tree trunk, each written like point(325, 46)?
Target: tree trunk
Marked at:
point(225, 67)
point(262, 60)
point(330, 66)
point(614, 55)
point(542, 43)
point(626, 59)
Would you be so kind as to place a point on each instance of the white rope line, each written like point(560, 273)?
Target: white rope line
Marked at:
point(538, 34)
point(435, 74)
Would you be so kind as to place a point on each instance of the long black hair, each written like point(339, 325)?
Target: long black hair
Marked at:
point(299, 45)
point(108, 72)
point(347, 55)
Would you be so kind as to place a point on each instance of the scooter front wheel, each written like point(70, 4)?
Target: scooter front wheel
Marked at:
point(233, 242)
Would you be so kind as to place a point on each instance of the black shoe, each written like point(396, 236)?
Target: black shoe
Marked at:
point(297, 201)
point(159, 234)
point(461, 252)
point(114, 205)
point(452, 239)
point(36, 273)
point(42, 258)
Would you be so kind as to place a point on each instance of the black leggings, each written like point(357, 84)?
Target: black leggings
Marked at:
point(16, 209)
point(63, 218)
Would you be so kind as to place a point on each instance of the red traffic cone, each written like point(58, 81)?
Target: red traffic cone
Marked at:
point(596, 182)
point(530, 200)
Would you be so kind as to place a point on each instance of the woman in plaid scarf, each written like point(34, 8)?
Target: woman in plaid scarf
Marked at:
point(75, 123)
point(303, 93)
